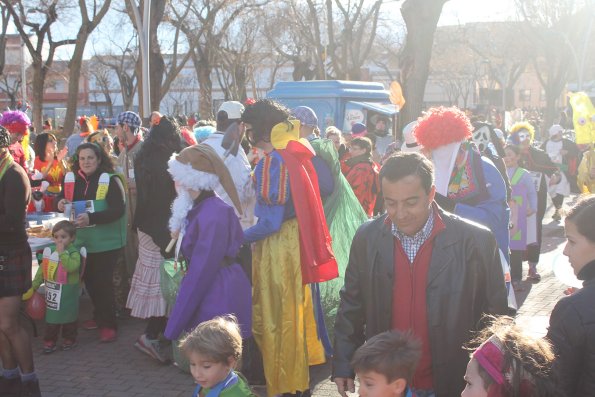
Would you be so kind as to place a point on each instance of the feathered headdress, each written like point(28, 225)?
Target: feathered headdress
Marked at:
point(15, 121)
point(441, 126)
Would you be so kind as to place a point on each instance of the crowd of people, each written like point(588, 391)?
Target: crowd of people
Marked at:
point(392, 258)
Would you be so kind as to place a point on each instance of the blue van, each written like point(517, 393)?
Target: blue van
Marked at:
point(339, 103)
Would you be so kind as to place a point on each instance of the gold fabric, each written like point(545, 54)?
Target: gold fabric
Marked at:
point(282, 316)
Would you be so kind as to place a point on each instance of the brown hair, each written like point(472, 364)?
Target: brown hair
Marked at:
point(66, 226)
point(582, 214)
point(364, 143)
point(394, 354)
point(218, 339)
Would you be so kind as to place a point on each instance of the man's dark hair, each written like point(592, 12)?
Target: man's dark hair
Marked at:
point(401, 165)
point(263, 115)
point(363, 143)
point(105, 164)
point(4, 138)
point(182, 120)
point(394, 354)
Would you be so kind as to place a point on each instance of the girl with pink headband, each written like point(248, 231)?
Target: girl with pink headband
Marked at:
point(510, 363)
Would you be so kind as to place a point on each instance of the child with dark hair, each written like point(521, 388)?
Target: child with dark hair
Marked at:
point(572, 322)
point(362, 173)
point(386, 363)
point(509, 362)
point(213, 349)
point(60, 272)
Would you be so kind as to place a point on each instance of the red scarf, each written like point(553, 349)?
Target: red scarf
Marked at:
point(317, 258)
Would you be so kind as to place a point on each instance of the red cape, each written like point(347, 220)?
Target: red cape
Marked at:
point(317, 257)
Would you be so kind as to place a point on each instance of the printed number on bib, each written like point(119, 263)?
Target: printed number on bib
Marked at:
point(53, 293)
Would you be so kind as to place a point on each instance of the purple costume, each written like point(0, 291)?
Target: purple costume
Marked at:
point(214, 284)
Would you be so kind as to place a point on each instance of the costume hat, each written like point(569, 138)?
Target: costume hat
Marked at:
point(199, 167)
point(15, 121)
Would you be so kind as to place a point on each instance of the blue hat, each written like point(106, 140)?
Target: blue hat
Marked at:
point(202, 133)
point(358, 130)
point(131, 119)
point(305, 115)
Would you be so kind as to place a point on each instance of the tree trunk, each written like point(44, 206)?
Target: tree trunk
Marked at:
point(37, 95)
point(205, 104)
point(74, 77)
point(421, 18)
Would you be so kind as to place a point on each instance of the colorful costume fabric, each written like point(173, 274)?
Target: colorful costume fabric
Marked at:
point(344, 214)
point(524, 199)
point(55, 175)
point(215, 283)
point(586, 173)
point(233, 386)
point(362, 174)
point(61, 275)
point(287, 321)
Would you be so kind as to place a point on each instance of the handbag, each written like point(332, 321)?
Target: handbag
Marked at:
point(172, 272)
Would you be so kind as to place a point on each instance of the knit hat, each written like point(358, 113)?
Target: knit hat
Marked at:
point(410, 144)
point(359, 130)
point(15, 122)
point(199, 167)
point(306, 116)
point(131, 119)
point(234, 109)
point(555, 130)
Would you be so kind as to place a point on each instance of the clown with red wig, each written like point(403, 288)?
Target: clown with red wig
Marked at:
point(467, 183)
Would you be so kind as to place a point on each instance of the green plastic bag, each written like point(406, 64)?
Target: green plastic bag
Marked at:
point(172, 272)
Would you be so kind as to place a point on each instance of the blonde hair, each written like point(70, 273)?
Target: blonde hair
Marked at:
point(218, 339)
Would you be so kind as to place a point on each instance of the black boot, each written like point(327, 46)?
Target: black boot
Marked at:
point(10, 387)
point(30, 389)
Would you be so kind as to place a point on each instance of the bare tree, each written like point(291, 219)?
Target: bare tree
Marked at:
point(103, 79)
point(213, 18)
point(554, 27)
point(5, 18)
point(36, 19)
point(11, 86)
point(121, 59)
point(421, 18)
point(91, 16)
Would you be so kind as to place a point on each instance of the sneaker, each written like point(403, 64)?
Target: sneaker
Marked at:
point(533, 275)
point(150, 347)
point(89, 325)
point(10, 387)
point(107, 335)
point(68, 344)
point(49, 347)
point(30, 389)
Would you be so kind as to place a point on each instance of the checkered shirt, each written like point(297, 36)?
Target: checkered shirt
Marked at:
point(412, 244)
point(132, 119)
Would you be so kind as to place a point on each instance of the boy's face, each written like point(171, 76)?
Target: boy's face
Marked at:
point(474, 384)
point(374, 384)
point(62, 238)
point(206, 372)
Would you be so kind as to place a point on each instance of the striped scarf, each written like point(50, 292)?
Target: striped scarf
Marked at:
point(6, 161)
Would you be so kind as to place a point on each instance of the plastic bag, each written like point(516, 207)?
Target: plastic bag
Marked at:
point(172, 272)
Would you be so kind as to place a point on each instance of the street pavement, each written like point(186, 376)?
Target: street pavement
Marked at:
point(118, 369)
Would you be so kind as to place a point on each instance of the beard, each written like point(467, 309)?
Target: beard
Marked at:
point(179, 210)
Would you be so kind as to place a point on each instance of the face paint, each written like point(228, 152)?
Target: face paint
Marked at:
point(523, 136)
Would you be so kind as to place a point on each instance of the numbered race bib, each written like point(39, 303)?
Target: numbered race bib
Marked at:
point(53, 294)
point(536, 177)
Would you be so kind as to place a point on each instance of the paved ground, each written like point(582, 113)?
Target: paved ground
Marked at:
point(118, 369)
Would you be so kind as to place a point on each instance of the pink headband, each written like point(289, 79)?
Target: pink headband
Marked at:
point(490, 355)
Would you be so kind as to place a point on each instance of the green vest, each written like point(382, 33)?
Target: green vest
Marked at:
point(106, 237)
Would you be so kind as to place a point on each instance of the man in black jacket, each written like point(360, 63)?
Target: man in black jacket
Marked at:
point(422, 269)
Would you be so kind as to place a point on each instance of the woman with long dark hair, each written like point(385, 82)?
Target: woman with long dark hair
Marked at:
point(155, 193)
point(96, 195)
point(50, 162)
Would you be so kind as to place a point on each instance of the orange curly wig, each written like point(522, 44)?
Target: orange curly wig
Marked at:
point(441, 126)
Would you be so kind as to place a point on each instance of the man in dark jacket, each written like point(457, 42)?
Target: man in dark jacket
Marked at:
point(422, 269)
